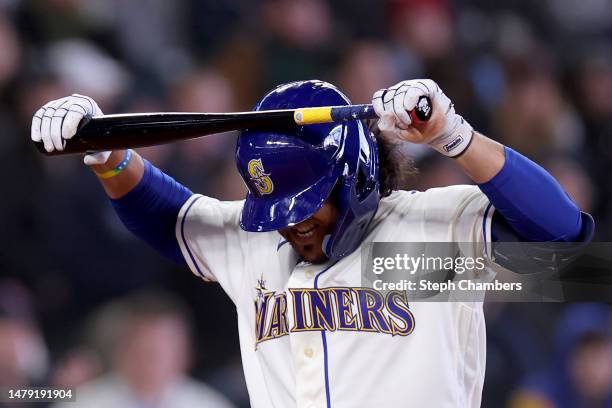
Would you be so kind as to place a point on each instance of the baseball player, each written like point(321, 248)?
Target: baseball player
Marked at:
point(288, 255)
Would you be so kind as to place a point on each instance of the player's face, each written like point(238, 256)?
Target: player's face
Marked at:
point(307, 236)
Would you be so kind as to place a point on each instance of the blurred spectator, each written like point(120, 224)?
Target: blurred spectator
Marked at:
point(23, 353)
point(204, 90)
point(305, 24)
point(76, 63)
point(45, 22)
point(368, 67)
point(146, 338)
point(423, 25)
point(574, 180)
point(76, 368)
point(434, 171)
point(592, 88)
point(11, 50)
point(149, 34)
point(581, 373)
point(595, 84)
point(226, 379)
point(517, 341)
point(534, 118)
point(591, 18)
point(299, 41)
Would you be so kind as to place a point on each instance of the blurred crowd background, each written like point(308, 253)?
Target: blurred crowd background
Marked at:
point(83, 303)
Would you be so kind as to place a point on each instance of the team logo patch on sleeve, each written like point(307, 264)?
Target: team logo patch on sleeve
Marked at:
point(261, 179)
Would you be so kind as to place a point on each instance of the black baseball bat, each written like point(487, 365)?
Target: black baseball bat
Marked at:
point(113, 132)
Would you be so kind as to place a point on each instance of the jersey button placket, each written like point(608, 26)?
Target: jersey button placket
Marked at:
point(307, 348)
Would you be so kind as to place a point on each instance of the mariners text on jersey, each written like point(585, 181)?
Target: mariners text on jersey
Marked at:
point(331, 309)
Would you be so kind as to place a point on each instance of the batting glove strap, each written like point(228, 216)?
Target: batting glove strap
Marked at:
point(456, 139)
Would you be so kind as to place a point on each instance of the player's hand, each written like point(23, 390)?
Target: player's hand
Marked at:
point(445, 131)
point(58, 121)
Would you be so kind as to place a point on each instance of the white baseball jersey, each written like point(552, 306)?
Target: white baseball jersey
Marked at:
point(310, 336)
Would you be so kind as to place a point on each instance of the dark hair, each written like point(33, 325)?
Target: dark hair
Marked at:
point(396, 169)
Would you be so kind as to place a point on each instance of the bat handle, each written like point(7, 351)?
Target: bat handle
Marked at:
point(352, 112)
point(327, 114)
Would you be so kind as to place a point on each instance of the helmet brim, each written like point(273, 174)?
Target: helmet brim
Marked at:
point(261, 214)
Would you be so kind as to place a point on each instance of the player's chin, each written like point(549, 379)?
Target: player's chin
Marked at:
point(311, 249)
point(312, 254)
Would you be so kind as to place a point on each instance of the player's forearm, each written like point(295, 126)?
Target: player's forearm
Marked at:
point(150, 210)
point(531, 201)
point(483, 159)
point(124, 182)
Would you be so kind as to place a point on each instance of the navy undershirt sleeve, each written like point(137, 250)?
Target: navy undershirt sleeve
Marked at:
point(532, 202)
point(150, 211)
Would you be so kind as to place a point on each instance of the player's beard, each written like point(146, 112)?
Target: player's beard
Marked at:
point(307, 237)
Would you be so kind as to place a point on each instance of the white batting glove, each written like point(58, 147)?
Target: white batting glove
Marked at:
point(58, 121)
point(445, 131)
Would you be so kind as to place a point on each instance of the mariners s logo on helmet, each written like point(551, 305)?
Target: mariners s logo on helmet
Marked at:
point(260, 178)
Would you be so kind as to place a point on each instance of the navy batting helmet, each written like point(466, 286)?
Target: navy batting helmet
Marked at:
point(289, 174)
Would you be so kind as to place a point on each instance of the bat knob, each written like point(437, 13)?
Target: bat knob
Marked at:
point(422, 111)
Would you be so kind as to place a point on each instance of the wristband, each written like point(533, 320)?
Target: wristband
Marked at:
point(456, 140)
point(120, 167)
